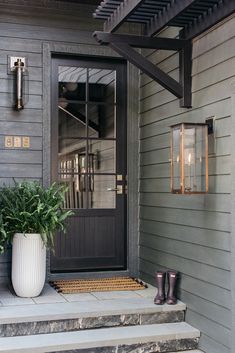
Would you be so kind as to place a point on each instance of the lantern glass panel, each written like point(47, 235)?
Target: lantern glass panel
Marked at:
point(195, 161)
point(189, 159)
point(201, 165)
point(176, 160)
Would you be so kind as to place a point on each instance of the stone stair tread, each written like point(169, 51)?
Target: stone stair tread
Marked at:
point(98, 338)
point(70, 310)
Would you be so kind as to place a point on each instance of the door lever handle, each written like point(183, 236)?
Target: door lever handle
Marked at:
point(118, 189)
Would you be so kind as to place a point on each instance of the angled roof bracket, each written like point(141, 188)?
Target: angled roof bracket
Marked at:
point(123, 45)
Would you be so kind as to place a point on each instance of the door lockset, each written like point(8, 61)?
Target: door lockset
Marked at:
point(118, 189)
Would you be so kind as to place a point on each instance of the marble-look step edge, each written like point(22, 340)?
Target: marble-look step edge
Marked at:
point(73, 310)
point(67, 325)
point(165, 336)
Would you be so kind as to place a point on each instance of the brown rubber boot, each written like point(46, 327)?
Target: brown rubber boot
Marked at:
point(160, 279)
point(172, 279)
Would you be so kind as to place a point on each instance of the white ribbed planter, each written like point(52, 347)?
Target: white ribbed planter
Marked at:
point(28, 264)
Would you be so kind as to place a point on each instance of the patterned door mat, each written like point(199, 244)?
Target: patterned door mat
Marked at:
point(98, 285)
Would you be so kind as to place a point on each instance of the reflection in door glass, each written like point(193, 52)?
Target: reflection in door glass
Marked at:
point(104, 194)
point(104, 153)
point(72, 120)
point(102, 89)
point(101, 120)
point(87, 132)
point(71, 164)
point(102, 85)
point(72, 83)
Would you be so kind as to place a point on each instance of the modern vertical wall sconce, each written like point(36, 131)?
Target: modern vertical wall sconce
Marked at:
point(189, 158)
point(17, 66)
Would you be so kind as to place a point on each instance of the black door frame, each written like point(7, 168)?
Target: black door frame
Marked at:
point(50, 48)
point(119, 65)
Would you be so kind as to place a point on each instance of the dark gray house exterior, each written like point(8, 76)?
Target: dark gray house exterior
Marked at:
point(193, 234)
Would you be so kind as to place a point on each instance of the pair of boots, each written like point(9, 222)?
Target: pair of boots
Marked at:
point(160, 279)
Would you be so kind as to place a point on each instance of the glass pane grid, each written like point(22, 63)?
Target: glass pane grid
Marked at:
point(87, 131)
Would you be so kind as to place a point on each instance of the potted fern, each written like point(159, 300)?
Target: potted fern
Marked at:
point(30, 215)
point(3, 236)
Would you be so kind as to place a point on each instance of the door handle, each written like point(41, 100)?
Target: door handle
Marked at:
point(118, 189)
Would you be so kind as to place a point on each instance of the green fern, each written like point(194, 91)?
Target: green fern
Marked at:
point(28, 207)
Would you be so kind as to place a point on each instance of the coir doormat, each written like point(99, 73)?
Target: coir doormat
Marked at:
point(98, 285)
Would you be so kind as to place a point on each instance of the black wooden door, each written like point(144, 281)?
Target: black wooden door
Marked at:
point(89, 155)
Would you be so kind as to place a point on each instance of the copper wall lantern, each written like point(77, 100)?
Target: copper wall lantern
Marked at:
point(189, 158)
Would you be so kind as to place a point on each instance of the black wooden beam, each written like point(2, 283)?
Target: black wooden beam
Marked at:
point(185, 73)
point(123, 44)
point(161, 20)
point(217, 13)
point(148, 68)
point(120, 15)
point(140, 41)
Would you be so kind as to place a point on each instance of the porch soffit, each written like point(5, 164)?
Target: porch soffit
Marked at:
point(192, 17)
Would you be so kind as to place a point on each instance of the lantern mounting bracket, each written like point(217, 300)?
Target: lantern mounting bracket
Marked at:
point(123, 44)
point(210, 124)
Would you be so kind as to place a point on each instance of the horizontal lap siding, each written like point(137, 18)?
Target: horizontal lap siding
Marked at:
point(23, 30)
point(191, 233)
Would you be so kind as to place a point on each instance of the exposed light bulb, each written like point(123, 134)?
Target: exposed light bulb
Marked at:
point(189, 158)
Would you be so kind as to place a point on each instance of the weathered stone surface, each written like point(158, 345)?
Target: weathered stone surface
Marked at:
point(162, 346)
point(162, 317)
point(101, 321)
point(138, 348)
point(29, 328)
point(128, 320)
point(40, 327)
point(178, 345)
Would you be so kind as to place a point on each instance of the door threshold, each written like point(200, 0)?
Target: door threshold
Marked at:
point(84, 275)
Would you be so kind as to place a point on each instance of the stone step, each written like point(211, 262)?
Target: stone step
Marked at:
point(149, 338)
point(65, 317)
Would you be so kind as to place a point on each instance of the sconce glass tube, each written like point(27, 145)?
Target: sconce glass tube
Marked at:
point(189, 158)
point(19, 68)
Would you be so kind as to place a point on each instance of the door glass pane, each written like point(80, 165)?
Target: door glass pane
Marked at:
point(72, 172)
point(75, 197)
point(72, 157)
point(102, 156)
point(102, 86)
point(72, 120)
point(89, 191)
point(101, 120)
point(72, 83)
point(103, 194)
